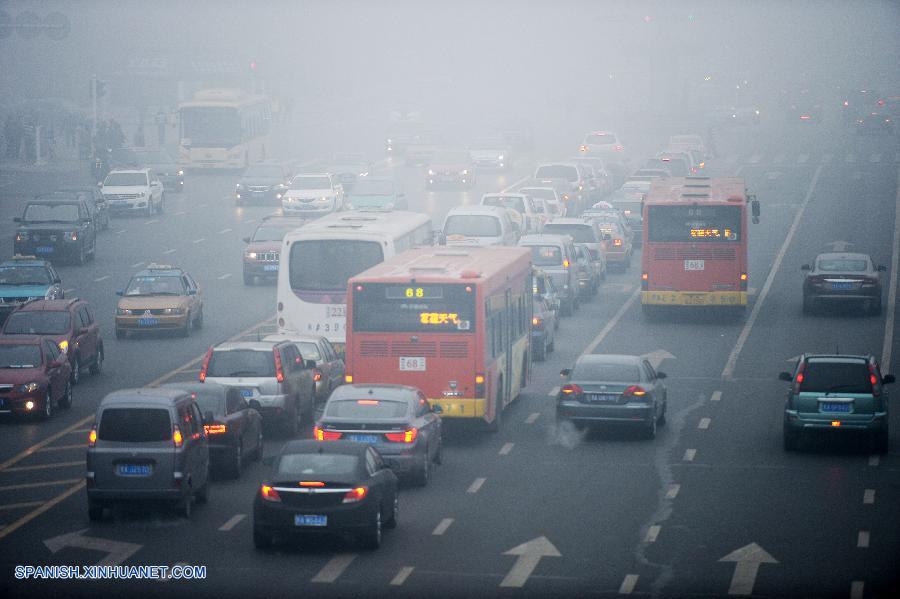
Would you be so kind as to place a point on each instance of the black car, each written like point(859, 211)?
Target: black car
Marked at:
point(396, 419)
point(263, 182)
point(842, 278)
point(318, 488)
point(94, 198)
point(233, 425)
point(57, 228)
point(613, 389)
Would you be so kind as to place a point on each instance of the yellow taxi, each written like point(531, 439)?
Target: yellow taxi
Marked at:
point(159, 298)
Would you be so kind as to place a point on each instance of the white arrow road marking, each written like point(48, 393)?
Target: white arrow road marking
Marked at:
point(704, 423)
point(652, 533)
point(532, 417)
point(529, 555)
point(116, 551)
point(716, 396)
point(672, 493)
point(476, 484)
point(103, 278)
point(401, 576)
point(862, 540)
point(442, 527)
point(334, 568)
point(869, 496)
point(689, 455)
point(747, 560)
point(657, 356)
point(838, 246)
point(628, 584)
point(856, 589)
point(232, 522)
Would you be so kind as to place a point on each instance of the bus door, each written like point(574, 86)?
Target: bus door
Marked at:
point(507, 344)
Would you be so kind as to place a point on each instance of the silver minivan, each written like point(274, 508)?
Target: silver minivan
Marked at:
point(480, 226)
point(584, 233)
point(555, 255)
point(147, 444)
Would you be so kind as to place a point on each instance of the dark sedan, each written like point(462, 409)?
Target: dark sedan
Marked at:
point(396, 419)
point(233, 426)
point(604, 388)
point(842, 277)
point(326, 488)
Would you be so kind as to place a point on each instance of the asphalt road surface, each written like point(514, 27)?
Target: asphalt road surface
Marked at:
point(712, 507)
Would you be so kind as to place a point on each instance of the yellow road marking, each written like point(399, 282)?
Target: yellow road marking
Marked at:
point(46, 466)
point(64, 447)
point(46, 483)
point(35, 513)
point(15, 506)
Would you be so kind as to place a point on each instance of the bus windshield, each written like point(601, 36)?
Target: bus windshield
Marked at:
point(694, 224)
point(327, 264)
point(210, 126)
point(412, 308)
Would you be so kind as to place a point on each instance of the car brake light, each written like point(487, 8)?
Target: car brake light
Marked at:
point(583, 148)
point(92, 437)
point(619, 147)
point(177, 437)
point(311, 483)
point(835, 423)
point(368, 402)
point(321, 434)
point(873, 378)
point(407, 436)
point(279, 370)
point(356, 494)
point(617, 242)
point(317, 375)
point(537, 323)
point(205, 366)
point(798, 380)
point(269, 493)
point(634, 391)
point(215, 429)
point(571, 389)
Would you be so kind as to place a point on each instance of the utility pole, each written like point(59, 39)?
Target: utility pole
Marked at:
point(94, 113)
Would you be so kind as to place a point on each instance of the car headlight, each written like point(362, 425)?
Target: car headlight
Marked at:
point(123, 312)
point(21, 236)
point(28, 387)
point(173, 311)
point(70, 236)
point(430, 172)
point(465, 171)
point(250, 255)
point(500, 157)
point(180, 172)
point(238, 186)
point(142, 194)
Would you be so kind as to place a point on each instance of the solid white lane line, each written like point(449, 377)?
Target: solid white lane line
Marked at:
point(401, 576)
point(223, 231)
point(704, 423)
point(225, 276)
point(672, 493)
point(18, 506)
point(334, 568)
point(170, 251)
point(201, 240)
point(689, 455)
point(612, 322)
point(120, 231)
point(716, 396)
point(507, 447)
point(232, 522)
point(862, 539)
point(856, 589)
point(442, 526)
point(869, 496)
point(532, 417)
point(652, 533)
point(44, 466)
point(137, 265)
point(553, 392)
point(476, 484)
point(103, 278)
point(874, 460)
point(514, 185)
point(179, 213)
point(628, 584)
point(69, 290)
point(758, 304)
point(151, 222)
point(892, 290)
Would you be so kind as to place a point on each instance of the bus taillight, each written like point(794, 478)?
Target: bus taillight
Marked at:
point(645, 280)
point(479, 385)
point(743, 281)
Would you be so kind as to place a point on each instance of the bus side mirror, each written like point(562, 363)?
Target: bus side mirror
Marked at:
point(437, 409)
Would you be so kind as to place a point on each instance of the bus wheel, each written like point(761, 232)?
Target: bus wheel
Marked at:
point(498, 408)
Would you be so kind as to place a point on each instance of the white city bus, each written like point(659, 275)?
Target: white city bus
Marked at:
point(223, 128)
point(318, 259)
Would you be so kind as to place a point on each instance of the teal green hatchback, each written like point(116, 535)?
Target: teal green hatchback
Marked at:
point(836, 394)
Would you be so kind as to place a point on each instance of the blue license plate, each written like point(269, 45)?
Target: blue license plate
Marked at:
point(148, 322)
point(832, 407)
point(246, 392)
point(44, 249)
point(310, 520)
point(270, 268)
point(842, 285)
point(363, 438)
point(602, 397)
point(134, 469)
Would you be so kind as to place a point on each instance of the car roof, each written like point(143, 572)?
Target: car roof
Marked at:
point(569, 220)
point(281, 221)
point(292, 338)
point(311, 446)
point(252, 345)
point(544, 238)
point(56, 200)
point(196, 387)
point(25, 261)
point(478, 209)
point(842, 256)
point(143, 396)
point(378, 390)
point(48, 305)
point(159, 270)
point(617, 359)
point(129, 170)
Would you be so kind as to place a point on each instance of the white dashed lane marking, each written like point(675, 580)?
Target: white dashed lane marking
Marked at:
point(507, 447)
point(532, 417)
point(401, 576)
point(553, 392)
point(232, 522)
point(103, 278)
point(69, 290)
point(862, 539)
point(120, 231)
point(672, 493)
point(334, 568)
point(442, 526)
point(225, 276)
point(704, 423)
point(170, 251)
point(869, 496)
point(151, 222)
point(652, 533)
point(223, 231)
point(201, 240)
point(689, 455)
point(137, 265)
point(476, 484)
point(716, 396)
point(628, 584)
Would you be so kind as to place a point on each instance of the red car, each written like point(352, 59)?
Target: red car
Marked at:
point(34, 376)
point(71, 323)
point(264, 248)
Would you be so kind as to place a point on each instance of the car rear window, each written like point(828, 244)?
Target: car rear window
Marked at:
point(66, 213)
point(317, 466)
point(367, 409)
point(473, 225)
point(135, 425)
point(580, 233)
point(839, 377)
point(843, 265)
point(29, 322)
point(242, 362)
point(546, 255)
point(592, 371)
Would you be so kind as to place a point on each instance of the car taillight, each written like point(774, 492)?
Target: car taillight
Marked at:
point(798, 380)
point(356, 494)
point(537, 323)
point(279, 370)
point(635, 391)
point(317, 375)
point(572, 390)
point(479, 385)
point(873, 378)
point(583, 148)
point(268, 493)
point(92, 436)
point(177, 437)
point(407, 436)
point(205, 366)
point(617, 242)
point(215, 429)
point(868, 282)
point(619, 147)
point(321, 434)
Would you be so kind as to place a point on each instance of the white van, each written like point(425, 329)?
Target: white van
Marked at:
point(479, 225)
point(530, 219)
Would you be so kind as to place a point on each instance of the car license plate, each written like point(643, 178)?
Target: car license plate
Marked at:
point(134, 469)
point(602, 397)
point(363, 438)
point(694, 264)
point(270, 268)
point(339, 311)
point(842, 285)
point(148, 322)
point(44, 249)
point(694, 300)
point(246, 392)
point(832, 407)
point(310, 520)
point(412, 364)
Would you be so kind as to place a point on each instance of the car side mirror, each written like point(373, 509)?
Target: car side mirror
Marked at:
point(120, 292)
point(208, 416)
point(437, 409)
point(785, 376)
point(269, 460)
point(84, 330)
point(246, 240)
point(57, 281)
point(565, 372)
point(887, 379)
point(806, 267)
point(660, 374)
point(881, 268)
point(310, 364)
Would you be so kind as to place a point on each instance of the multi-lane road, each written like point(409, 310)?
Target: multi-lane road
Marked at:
point(712, 507)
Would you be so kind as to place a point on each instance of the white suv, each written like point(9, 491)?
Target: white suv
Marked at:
point(313, 193)
point(133, 190)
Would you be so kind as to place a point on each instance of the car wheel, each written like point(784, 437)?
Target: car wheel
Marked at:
point(95, 511)
point(237, 458)
point(439, 453)
point(120, 333)
point(661, 421)
point(198, 323)
point(188, 326)
point(203, 492)
point(75, 376)
point(80, 259)
point(162, 204)
point(650, 429)
point(423, 475)
point(540, 352)
point(93, 253)
point(261, 540)
point(371, 539)
point(149, 211)
point(66, 401)
point(791, 440)
point(47, 409)
point(249, 279)
point(498, 409)
point(395, 512)
point(97, 366)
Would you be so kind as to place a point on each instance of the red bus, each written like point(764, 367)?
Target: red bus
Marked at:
point(456, 323)
point(695, 242)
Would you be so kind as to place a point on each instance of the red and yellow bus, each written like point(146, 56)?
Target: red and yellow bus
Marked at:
point(695, 242)
point(456, 323)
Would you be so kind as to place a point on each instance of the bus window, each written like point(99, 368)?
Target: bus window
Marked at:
point(327, 264)
point(694, 223)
